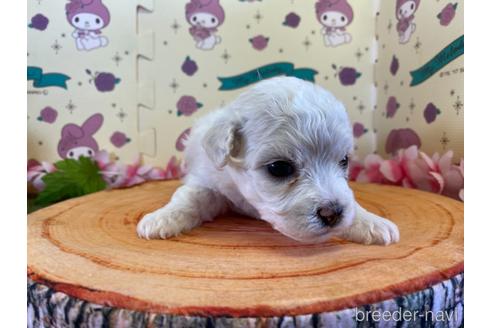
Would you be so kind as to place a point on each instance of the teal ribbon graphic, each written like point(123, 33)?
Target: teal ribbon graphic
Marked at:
point(265, 72)
point(444, 57)
point(41, 80)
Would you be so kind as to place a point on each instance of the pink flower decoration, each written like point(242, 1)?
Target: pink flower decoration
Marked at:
point(113, 173)
point(449, 177)
point(187, 105)
point(413, 169)
point(137, 173)
point(174, 169)
point(407, 170)
point(368, 171)
point(447, 14)
point(118, 175)
point(461, 168)
point(36, 171)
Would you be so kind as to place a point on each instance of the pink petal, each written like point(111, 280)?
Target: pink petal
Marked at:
point(363, 178)
point(38, 183)
point(453, 182)
point(144, 169)
point(138, 160)
point(32, 163)
point(37, 168)
point(102, 158)
point(461, 167)
point(115, 180)
point(156, 174)
point(134, 181)
point(354, 171)
point(430, 163)
point(411, 153)
point(131, 170)
point(435, 157)
point(406, 183)
point(375, 176)
point(48, 167)
point(391, 170)
point(445, 161)
point(173, 164)
point(32, 174)
point(373, 161)
point(417, 173)
point(440, 181)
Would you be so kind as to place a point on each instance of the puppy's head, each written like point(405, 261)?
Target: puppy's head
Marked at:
point(285, 143)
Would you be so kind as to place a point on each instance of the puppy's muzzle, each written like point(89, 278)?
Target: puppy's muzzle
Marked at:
point(331, 214)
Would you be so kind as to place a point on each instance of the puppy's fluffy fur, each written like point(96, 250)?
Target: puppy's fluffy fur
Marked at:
point(229, 158)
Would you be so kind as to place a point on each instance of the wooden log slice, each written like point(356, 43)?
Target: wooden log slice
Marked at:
point(87, 249)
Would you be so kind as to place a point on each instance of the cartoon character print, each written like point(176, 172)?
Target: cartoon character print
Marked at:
point(204, 17)
point(335, 16)
point(79, 141)
point(88, 17)
point(405, 10)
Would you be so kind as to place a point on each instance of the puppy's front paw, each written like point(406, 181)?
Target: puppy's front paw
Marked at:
point(163, 223)
point(384, 232)
point(373, 230)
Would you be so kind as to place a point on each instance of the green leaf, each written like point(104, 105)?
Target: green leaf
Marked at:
point(73, 178)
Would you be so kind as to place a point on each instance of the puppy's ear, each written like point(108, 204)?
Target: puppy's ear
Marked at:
point(222, 142)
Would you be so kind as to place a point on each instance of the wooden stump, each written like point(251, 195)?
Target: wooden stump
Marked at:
point(86, 250)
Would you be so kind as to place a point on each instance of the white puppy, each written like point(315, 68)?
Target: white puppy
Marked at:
point(279, 153)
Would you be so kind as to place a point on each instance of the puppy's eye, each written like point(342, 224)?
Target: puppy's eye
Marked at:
point(280, 169)
point(344, 162)
point(342, 18)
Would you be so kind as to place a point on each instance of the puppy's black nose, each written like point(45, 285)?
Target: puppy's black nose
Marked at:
point(330, 214)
